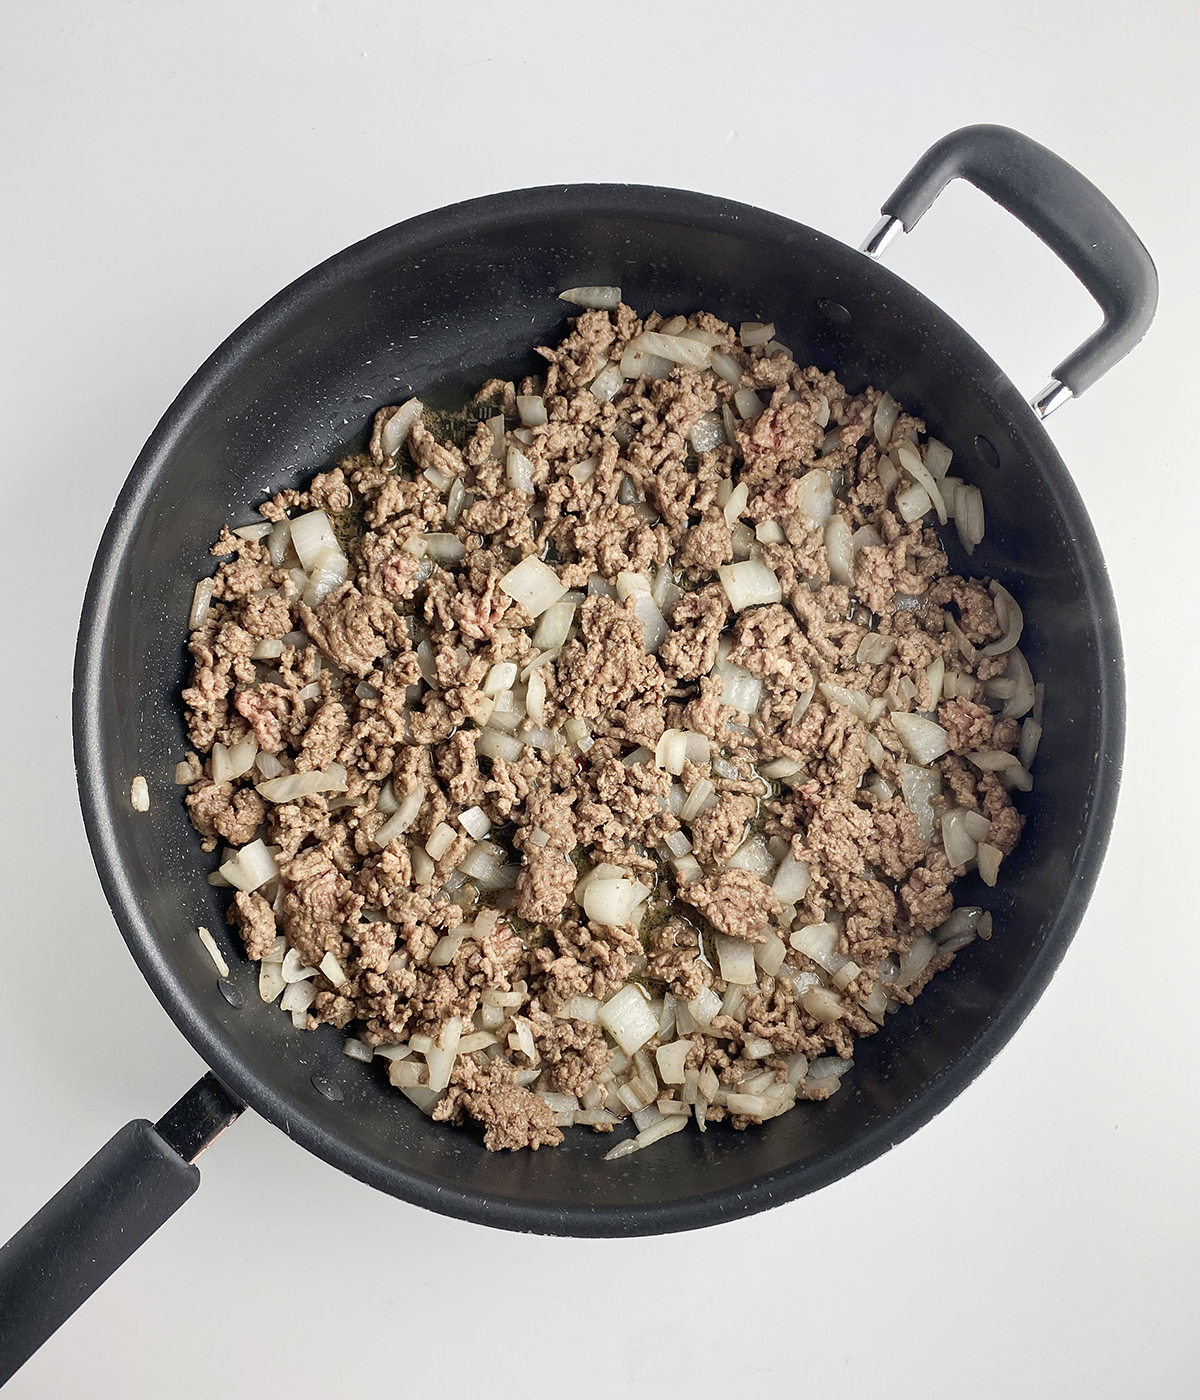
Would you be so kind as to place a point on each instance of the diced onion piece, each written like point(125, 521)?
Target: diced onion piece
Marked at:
point(311, 534)
point(396, 429)
point(402, 819)
point(1010, 617)
point(519, 470)
point(956, 841)
point(704, 1006)
point(752, 333)
point(214, 952)
point(595, 298)
point(754, 856)
point(613, 902)
point(493, 743)
point(736, 503)
point(707, 432)
point(670, 752)
point(294, 969)
point(822, 1004)
point(989, 858)
point(910, 460)
point(139, 794)
point(253, 866)
point(605, 387)
point(694, 803)
point(654, 625)
point(201, 602)
point(887, 411)
point(919, 785)
point(728, 368)
point(332, 969)
point(915, 961)
point(749, 584)
point(748, 404)
point(935, 675)
point(912, 502)
point(329, 569)
point(816, 495)
point(579, 1008)
point(184, 774)
point(769, 532)
point(629, 1018)
point(924, 739)
point(441, 838)
point(278, 541)
point(1025, 696)
point(475, 822)
point(534, 585)
point(818, 942)
point(858, 702)
point(298, 997)
point(791, 880)
point(937, 458)
point(770, 955)
point(445, 549)
point(553, 627)
point(441, 1058)
point(874, 650)
point(687, 868)
point(270, 981)
point(736, 959)
point(1031, 736)
point(671, 347)
point(839, 549)
point(968, 516)
point(532, 410)
point(670, 1060)
point(332, 778)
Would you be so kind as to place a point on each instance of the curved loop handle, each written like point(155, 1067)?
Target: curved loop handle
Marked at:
point(1066, 211)
point(108, 1209)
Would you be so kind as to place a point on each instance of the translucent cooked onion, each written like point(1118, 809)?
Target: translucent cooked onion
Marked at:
point(822, 1004)
point(532, 410)
point(629, 1018)
point(858, 702)
point(887, 411)
point(445, 549)
point(595, 298)
point(912, 502)
point(874, 650)
point(534, 585)
point(748, 404)
point(815, 496)
point(519, 471)
point(937, 458)
point(693, 804)
point(311, 534)
point(1031, 737)
point(329, 569)
point(252, 867)
point(670, 753)
point(968, 516)
point(201, 602)
point(707, 432)
point(915, 961)
point(921, 737)
point(910, 460)
point(839, 549)
point(1025, 695)
point(956, 841)
point(605, 387)
point(989, 858)
point(395, 431)
point(728, 368)
point(736, 959)
point(749, 584)
point(278, 542)
point(753, 855)
point(752, 333)
point(674, 348)
point(613, 902)
point(1011, 619)
point(919, 786)
point(293, 785)
point(791, 880)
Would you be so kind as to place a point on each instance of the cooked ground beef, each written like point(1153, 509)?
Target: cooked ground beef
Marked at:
point(697, 691)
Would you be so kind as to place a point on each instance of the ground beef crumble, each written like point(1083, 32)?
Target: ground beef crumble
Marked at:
point(425, 760)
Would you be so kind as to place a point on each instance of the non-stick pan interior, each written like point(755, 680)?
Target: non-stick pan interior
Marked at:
point(434, 306)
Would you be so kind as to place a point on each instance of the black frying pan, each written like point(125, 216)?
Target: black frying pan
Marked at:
point(434, 305)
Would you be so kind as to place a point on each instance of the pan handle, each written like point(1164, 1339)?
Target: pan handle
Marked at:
point(134, 1184)
point(1067, 212)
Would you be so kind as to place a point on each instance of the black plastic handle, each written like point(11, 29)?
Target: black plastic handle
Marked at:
point(1067, 212)
point(134, 1184)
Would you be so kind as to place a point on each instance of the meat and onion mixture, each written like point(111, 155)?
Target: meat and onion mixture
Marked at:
point(611, 748)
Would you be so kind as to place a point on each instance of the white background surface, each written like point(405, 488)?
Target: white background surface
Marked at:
point(169, 166)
